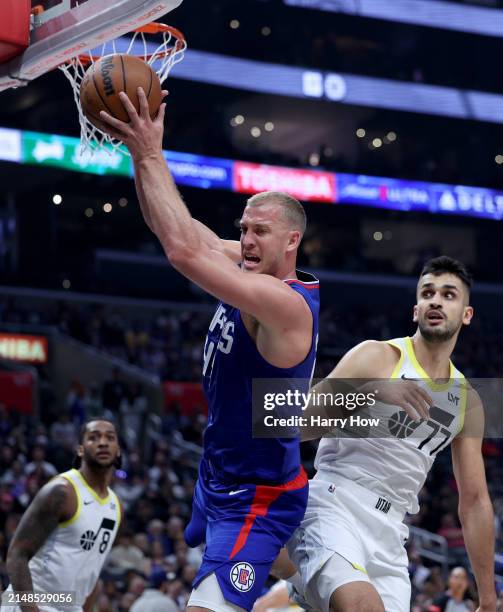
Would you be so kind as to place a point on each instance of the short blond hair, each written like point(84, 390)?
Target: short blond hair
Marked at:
point(293, 210)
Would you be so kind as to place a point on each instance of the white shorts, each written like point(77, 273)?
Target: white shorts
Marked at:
point(208, 595)
point(366, 535)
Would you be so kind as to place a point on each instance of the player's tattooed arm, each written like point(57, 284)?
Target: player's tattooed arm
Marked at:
point(53, 504)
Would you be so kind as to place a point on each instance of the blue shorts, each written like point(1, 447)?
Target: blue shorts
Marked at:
point(245, 527)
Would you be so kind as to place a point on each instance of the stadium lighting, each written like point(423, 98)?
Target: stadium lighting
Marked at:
point(57, 199)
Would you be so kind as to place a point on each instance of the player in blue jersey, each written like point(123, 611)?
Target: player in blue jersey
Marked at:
point(251, 493)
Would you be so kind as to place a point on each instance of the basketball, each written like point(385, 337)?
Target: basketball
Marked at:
point(112, 74)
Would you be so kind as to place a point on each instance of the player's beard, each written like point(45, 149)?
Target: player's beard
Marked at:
point(93, 463)
point(438, 334)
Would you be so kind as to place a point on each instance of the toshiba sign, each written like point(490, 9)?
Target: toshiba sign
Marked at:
point(23, 348)
point(302, 184)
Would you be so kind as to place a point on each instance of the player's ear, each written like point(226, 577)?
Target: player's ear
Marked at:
point(80, 451)
point(414, 314)
point(467, 315)
point(293, 240)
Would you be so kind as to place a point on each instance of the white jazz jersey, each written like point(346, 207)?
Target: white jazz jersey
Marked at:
point(395, 459)
point(73, 555)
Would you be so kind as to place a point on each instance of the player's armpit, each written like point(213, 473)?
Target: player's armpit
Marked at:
point(232, 248)
point(272, 302)
point(211, 241)
point(53, 504)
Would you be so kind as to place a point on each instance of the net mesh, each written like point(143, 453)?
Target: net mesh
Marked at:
point(161, 56)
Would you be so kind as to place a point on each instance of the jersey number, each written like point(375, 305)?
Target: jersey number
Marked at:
point(435, 429)
point(402, 426)
point(224, 346)
point(104, 541)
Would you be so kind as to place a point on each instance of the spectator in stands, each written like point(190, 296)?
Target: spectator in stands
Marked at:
point(418, 572)
point(456, 598)
point(156, 532)
point(39, 467)
point(452, 532)
point(114, 391)
point(154, 597)
point(125, 555)
point(63, 430)
point(93, 403)
point(75, 401)
point(133, 408)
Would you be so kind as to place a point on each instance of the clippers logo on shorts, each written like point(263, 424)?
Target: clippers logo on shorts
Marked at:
point(383, 505)
point(242, 576)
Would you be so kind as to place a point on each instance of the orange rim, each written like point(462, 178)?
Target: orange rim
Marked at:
point(148, 28)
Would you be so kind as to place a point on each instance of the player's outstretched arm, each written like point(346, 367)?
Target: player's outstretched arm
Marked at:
point(162, 206)
point(475, 507)
point(365, 368)
point(54, 503)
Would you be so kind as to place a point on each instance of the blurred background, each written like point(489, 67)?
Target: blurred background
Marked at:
point(385, 119)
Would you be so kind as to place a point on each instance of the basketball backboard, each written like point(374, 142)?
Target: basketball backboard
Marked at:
point(67, 28)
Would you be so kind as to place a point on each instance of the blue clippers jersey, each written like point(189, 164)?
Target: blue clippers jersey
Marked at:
point(231, 362)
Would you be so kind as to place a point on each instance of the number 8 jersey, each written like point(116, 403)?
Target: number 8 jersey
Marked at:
point(395, 458)
point(73, 555)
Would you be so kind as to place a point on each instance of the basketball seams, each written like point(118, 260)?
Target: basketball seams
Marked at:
point(100, 96)
point(150, 84)
point(123, 75)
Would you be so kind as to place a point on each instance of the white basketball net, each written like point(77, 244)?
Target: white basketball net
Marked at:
point(162, 58)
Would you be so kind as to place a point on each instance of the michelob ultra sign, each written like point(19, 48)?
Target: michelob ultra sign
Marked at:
point(21, 347)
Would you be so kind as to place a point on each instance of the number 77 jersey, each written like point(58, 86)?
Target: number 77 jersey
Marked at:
point(395, 458)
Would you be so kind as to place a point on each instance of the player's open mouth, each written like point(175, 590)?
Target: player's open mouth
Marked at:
point(250, 261)
point(435, 317)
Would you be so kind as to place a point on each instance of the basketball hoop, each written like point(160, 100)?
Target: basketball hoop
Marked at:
point(161, 58)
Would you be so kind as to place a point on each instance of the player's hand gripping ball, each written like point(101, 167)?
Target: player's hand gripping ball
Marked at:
point(112, 74)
